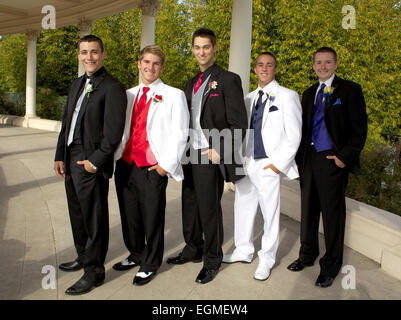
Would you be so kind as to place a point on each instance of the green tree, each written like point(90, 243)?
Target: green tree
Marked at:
point(173, 35)
point(57, 63)
point(121, 37)
point(368, 54)
point(13, 63)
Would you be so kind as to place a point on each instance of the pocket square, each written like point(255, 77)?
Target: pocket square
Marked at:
point(338, 101)
point(214, 95)
point(273, 108)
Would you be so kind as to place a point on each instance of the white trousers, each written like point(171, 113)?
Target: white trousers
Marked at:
point(258, 187)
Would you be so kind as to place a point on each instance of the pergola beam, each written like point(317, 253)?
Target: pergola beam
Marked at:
point(13, 11)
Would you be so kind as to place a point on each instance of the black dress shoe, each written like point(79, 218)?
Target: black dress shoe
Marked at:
point(206, 275)
point(180, 259)
point(85, 284)
point(71, 266)
point(126, 264)
point(298, 265)
point(324, 281)
point(143, 278)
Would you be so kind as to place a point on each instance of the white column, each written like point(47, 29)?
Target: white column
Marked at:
point(85, 28)
point(148, 9)
point(30, 93)
point(240, 42)
point(148, 30)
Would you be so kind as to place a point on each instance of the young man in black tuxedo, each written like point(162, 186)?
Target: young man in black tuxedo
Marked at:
point(216, 103)
point(92, 128)
point(333, 135)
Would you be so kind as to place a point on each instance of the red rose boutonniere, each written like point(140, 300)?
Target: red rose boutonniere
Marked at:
point(213, 85)
point(157, 98)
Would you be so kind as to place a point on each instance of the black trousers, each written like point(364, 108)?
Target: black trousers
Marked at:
point(202, 214)
point(142, 201)
point(89, 213)
point(323, 186)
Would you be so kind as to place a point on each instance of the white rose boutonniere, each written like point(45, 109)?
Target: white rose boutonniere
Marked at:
point(89, 89)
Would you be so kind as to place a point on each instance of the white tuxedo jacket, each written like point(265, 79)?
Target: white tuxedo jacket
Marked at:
point(281, 126)
point(167, 127)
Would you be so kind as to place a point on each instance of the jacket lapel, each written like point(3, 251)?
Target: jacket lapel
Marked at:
point(273, 92)
point(188, 92)
point(159, 90)
point(96, 83)
point(214, 76)
point(73, 102)
point(251, 105)
point(310, 102)
point(335, 85)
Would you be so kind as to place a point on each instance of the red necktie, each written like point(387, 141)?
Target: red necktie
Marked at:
point(198, 83)
point(142, 100)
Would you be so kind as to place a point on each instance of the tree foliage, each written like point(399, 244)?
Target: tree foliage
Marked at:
point(57, 62)
point(370, 54)
point(13, 63)
point(121, 37)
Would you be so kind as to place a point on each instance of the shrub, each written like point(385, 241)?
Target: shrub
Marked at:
point(49, 105)
point(379, 184)
point(12, 103)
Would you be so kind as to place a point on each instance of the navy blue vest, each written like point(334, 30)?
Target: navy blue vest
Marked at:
point(256, 124)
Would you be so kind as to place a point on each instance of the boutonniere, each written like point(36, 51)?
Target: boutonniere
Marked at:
point(89, 89)
point(271, 98)
point(328, 91)
point(157, 98)
point(213, 85)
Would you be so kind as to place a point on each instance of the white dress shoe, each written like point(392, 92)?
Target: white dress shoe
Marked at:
point(235, 257)
point(262, 273)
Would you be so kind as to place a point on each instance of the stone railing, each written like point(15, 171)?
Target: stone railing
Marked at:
point(373, 232)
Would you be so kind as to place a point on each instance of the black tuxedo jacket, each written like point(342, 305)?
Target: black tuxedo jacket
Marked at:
point(101, 120)
point(345, 119)
point(223, 109)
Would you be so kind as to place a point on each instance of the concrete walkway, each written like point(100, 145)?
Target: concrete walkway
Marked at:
point(36, 236)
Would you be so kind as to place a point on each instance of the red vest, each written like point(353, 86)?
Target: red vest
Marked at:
point(137, 148)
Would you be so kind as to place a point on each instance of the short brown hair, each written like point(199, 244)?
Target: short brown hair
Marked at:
point(91, 38)
point(325, 49)
point(267, 53)
point(204, 33)
point(153, 49)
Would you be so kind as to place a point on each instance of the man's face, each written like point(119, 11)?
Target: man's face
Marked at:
point(91, 56)
point(204, 50)
point(324, 65)
point(265, 69)
point(150, 67)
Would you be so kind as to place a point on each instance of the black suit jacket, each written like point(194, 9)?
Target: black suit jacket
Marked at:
point(101, 119)
point(223, 108)
point(345, 119)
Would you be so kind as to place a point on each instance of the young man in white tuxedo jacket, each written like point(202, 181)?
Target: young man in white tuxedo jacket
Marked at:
point(154, 140)
point(272, 143)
